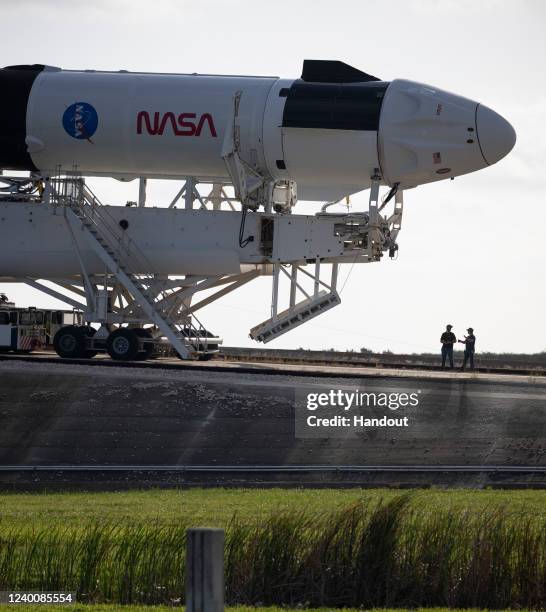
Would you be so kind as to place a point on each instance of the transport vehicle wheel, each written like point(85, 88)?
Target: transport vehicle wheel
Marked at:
point(148, 346)
point(69, 341)
point(122, 344)
point(89, 332)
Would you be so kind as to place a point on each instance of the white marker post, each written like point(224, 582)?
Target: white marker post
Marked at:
point(204, 570)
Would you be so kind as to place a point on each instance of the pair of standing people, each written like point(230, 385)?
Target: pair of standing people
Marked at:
point(448, 339)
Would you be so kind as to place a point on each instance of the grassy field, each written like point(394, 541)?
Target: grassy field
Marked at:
point(217, 507)
point(305, 548)
point(108, 608)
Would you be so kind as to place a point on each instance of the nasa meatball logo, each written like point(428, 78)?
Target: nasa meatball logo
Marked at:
point(80, 120)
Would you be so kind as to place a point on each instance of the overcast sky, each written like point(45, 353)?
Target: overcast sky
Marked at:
point(471, 250)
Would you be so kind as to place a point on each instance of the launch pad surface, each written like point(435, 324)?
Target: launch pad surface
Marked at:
point(67, 425)
point(233, 364)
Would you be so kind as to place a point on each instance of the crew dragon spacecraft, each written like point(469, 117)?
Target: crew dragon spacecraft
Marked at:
point(331, 133)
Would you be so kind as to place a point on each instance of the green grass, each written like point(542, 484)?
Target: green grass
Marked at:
point(216, 507)
point(109, 608)
point(307, 548)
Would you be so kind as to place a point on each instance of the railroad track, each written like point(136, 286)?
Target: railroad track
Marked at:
point(258, 366)
point(283, 469)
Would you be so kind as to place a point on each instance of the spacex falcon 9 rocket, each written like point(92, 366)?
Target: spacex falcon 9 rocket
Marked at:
point(331, 133)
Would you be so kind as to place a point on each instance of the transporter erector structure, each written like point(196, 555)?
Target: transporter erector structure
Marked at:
point(142, 273)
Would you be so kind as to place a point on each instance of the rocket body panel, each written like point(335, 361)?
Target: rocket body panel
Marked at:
point(425, 133)
point(348, 157)
point(164, 125)
point(297, 143)
point(272, 130)
point(141, 124)
point(16, 83)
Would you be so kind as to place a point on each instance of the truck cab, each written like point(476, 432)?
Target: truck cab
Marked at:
point(21, 329)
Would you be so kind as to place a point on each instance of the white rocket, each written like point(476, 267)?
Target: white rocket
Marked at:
point(333, 132)
point(327, 131)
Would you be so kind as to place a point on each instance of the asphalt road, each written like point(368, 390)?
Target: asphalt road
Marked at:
point(75, 415)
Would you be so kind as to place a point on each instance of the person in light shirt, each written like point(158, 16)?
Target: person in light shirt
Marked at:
point(469, 348)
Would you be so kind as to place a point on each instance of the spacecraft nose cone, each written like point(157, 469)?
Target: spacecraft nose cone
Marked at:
point(496, 136)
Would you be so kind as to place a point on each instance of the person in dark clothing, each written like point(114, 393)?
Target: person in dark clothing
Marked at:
point(469, 348)
point(448, 339)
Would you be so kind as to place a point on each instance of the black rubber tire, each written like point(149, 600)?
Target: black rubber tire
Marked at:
point(69, 342)
point(89, 332)
point(149, 347)
point(122, 344)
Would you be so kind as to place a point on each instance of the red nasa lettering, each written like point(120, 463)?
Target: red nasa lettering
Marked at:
point(183, 125)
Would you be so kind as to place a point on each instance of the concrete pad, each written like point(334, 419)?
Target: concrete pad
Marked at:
point(58, 414)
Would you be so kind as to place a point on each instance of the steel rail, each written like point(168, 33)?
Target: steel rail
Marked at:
point(278, 468)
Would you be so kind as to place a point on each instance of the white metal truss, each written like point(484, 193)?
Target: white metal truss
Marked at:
point(315, 302)
point(129, 292)
point(168, 309)
point(175, 296)
point(189, 195)
point(135, 285)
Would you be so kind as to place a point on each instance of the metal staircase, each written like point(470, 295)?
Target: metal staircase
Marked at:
point(123, 259)
point(294, 316)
